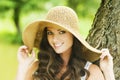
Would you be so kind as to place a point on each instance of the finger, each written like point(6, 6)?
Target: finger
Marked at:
point(102, 56)
point(105, 50)
point(23, 48)
point(33, 53)
point(105, 53)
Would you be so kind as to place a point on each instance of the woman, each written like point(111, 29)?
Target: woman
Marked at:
point(63, 54)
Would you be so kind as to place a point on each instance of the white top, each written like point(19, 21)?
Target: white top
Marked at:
point(87, 65)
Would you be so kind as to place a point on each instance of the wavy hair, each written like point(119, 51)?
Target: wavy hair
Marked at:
point(50, 63)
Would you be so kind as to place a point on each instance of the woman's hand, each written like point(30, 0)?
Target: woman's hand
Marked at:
point(106, 64)
point(106, 60)
point(24, 58)
point(25, 62)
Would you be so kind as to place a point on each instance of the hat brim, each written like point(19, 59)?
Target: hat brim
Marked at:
point(30, 40)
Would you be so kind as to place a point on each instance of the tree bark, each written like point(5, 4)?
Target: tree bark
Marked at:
point(105, 31)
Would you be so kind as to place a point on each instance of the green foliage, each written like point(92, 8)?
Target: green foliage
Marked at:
point(84, 8)
point(5, 7)
point(10, 38)
point(41, 5)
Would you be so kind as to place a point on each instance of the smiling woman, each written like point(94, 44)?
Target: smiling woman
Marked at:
point(63, 53)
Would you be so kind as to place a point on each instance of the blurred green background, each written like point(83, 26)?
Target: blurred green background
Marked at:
point(15, 14)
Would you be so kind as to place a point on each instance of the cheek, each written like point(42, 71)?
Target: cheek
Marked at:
point(68, 40)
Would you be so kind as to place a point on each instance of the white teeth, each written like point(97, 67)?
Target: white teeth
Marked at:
point(57, 45)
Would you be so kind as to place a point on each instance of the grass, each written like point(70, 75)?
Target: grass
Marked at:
point(8, 60)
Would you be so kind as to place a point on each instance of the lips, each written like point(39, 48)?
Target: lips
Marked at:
point(58, 45)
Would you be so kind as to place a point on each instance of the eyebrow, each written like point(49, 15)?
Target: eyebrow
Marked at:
point(59, 29)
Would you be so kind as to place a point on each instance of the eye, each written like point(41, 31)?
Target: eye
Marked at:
point(62, 32)
point(49, 33)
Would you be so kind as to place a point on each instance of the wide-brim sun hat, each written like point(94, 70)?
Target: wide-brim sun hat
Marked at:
point(59, 16)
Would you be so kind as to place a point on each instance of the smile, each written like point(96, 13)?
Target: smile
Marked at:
point(58, 45)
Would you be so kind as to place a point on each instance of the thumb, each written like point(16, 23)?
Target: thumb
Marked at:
point(33, 53)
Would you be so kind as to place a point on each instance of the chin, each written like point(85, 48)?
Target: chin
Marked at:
point(58, 52)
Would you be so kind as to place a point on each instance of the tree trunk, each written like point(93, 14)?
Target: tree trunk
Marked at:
point(16, 19)
point(105, 31)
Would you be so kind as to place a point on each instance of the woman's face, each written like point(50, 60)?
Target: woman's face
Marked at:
point(60, 39)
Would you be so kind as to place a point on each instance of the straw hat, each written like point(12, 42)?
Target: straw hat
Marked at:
point(63, 17)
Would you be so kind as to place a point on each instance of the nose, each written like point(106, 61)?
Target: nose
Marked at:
point(55, 38)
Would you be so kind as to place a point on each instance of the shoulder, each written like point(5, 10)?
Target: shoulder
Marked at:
point(95, 73)
point(31, 70)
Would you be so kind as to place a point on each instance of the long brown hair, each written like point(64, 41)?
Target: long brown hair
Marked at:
point(50, 63)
